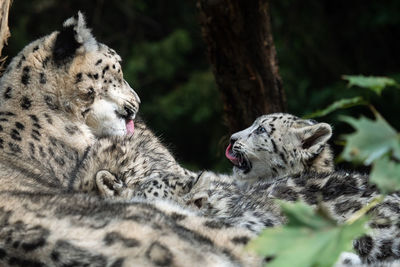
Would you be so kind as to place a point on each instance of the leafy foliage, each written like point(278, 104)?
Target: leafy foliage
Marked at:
point(375, 142)
point(376, 84)
point(340, 104)
point(386, 174)
point(372, 139)
point(310, 238)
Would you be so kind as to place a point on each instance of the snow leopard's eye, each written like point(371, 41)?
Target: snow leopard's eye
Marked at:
point(260, 130)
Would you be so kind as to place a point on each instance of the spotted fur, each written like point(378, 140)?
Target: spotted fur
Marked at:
point(341, 193)
point(135, 166)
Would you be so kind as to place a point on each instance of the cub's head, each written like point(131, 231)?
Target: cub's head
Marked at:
point(70, 74)
point(280, 144)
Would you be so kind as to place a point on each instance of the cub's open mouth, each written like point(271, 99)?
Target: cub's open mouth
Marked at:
point(238, 159)
point(130, 126)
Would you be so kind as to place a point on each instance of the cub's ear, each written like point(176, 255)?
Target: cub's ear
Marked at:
point(314, 138)
point(74, 38)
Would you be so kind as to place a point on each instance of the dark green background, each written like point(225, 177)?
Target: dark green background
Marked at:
point(164, 60)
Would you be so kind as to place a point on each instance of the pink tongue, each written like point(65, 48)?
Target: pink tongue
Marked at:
point(229, 155)
point(130, 127)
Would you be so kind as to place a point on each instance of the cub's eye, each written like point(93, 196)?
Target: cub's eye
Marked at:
point(260, 130)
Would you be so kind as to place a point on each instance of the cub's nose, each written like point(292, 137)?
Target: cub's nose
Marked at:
point(232, 140)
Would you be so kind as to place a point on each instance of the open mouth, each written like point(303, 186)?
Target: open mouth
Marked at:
point(238, 159)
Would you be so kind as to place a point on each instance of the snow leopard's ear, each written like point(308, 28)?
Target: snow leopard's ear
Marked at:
point(314, 138)
point(74, 38)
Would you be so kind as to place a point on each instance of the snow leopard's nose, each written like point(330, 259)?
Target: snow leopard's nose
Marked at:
point(136, 96)
point(239, 136)
point(129, 111)
point(233, 140)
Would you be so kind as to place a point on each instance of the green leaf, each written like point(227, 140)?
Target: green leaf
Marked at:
point(371, 140)
point(340, 104)
point(386, 174)
point(376, 84)
point(343, 236)
point(308, 239)
point(291, 246)
point(299, 213)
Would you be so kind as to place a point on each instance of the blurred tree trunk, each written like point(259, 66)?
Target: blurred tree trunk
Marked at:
point(4, 30)
point(243, 56)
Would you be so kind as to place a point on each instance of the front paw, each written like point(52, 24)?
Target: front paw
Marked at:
point(348, 259)
point(108, 184)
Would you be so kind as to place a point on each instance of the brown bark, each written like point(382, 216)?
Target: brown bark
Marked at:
point(243, 57)
point(4, 30)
